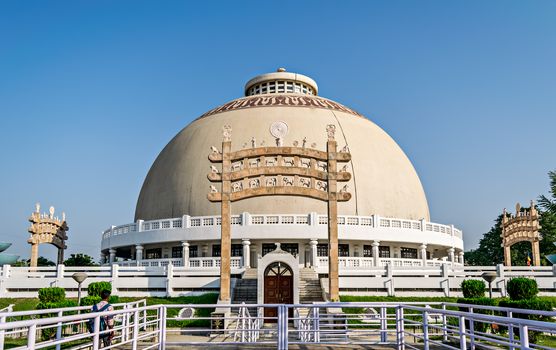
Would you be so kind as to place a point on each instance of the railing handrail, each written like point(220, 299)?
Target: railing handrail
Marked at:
point(484, 317)
point(69, 318)
point(420, 323)
point(503, 309)
point(410, 306)
point(65, 309)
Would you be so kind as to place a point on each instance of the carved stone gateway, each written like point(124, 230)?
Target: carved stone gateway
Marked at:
point(523, 227)
point(280, 170)
point(46, 228)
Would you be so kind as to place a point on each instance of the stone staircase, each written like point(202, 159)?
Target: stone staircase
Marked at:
point(245, 290)
point(249, 274)
point(309, 286)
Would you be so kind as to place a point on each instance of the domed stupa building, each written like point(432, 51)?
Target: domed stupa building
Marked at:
point(385, 221)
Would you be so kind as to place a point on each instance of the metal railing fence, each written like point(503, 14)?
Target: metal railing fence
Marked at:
point(400, 325)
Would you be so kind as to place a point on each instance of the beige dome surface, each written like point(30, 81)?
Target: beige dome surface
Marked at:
point(383, 182)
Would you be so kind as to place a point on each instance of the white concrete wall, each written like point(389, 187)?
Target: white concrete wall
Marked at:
point(22, 282)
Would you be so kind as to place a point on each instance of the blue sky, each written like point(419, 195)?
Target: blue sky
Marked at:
point(91, 91)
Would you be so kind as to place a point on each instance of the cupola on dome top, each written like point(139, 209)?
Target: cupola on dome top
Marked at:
point(281, 82)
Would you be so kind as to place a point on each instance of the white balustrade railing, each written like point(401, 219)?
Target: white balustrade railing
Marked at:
point(192, 222)
point(365, 263)
point(206, 262)
point(391, 325)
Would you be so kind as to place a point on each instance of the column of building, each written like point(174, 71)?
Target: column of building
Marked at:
point(185, 253)
point(423, 248)
point(314, 258)
point(246, 253)
point(376, 253)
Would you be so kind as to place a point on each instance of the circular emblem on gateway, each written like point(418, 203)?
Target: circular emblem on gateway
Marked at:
point(278, 129)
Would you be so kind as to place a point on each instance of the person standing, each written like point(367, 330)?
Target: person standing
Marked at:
point(107, 322)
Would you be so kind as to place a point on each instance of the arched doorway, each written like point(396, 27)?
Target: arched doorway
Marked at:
point(278, 287)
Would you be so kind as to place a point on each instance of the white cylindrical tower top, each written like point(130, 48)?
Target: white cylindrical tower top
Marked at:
point(281, 82)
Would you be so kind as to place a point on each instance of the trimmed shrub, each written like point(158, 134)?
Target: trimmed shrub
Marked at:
point(49, 333)
point(90, 300)
point(522, 288)
point(530, 304)
point(95, 288)
point(473, 289)
point(50, 305)
point(95, 299)
point(52, 295)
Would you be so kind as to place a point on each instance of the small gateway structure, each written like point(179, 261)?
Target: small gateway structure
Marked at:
point(332, 188)
point(46, 228)
point(522, 227)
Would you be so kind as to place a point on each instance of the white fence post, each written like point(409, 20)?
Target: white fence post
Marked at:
point(162, 328)
point(169, 278)
point(59, 275)
point(509, 314)
point(114, 277)
point(400, 332)
point(524, 336)
point(390, 276)
point(500, 274)
point(31, 336)
point(2, 321)
point(59, 330)
point(383, 325)
point(446, 276)
point(426, 330)
point(462, 338)
point(444, 324)
point(135, 329)
point(96, 331)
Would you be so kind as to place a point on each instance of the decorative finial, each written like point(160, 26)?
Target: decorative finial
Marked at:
point(227, 133)
point(281, 69)
point(51, 211)
point(63, 216)
point(253, 142)
point(37, 207)
point(331, 130)
point(295, 143)
point(314, 145)
point(304, 142)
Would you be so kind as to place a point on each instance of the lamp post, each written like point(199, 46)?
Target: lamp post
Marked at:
point(489, 277)
point(79, 277)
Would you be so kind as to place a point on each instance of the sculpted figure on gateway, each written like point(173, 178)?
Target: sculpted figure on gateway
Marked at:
point(282, 129)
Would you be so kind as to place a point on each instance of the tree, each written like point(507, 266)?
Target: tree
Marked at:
point(20, 263)
point(80, 260)
point(490, 251)
point(42, 261)
point(547, 206)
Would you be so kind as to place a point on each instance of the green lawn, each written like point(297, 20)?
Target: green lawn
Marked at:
point(23, 304)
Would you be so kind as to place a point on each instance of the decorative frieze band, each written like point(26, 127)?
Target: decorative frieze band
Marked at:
point(280, 101)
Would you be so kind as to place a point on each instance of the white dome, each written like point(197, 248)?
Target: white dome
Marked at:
point(383, 182)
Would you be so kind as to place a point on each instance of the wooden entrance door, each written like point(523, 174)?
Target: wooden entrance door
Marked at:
point(278, 287)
